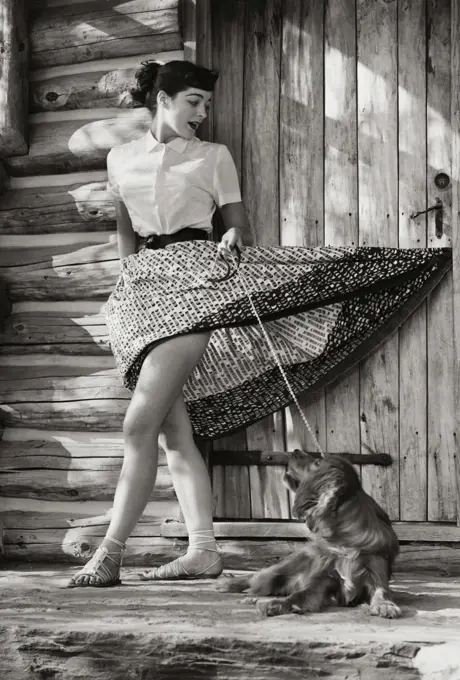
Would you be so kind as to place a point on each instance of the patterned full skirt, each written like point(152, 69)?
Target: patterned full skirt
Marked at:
point(323, 309)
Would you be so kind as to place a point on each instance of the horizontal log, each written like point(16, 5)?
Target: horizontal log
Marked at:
point(65, 333)
point(237, 554)
point(37, 366)
point(40, 454)
point(83, 273)
point(50, 210)
point(101, 30)
point(28, 528)
point(102, 83)
point(78, 511)
point(69, 484)
point(432, 532)
point(44, 254)
point(72, 141)
point(14, 92)
point(152, 551)
point(101, 384)
point(98, 414)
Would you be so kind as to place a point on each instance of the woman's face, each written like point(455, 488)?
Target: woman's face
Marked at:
point(185, 111)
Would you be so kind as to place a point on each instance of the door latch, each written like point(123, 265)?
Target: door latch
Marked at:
point(438, 219)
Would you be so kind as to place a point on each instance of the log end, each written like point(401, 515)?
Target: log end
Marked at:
point(12, 142)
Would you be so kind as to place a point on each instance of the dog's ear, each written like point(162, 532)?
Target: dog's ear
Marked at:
point(290, 482)
point(315, 500)
point(321, 493)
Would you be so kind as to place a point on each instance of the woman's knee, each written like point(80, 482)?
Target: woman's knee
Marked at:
point(139, 421)
point(176, 438)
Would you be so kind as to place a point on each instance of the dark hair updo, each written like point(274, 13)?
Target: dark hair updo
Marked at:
point(172, 77)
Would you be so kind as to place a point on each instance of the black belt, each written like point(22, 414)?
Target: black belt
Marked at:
point(156, 241)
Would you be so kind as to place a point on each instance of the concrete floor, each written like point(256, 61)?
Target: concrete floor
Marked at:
point(183, 630)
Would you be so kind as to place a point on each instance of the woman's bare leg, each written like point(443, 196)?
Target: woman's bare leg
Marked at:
point(193, 489)
point(163, 374)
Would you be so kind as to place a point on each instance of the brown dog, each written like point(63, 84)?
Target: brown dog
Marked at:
point(350, 551)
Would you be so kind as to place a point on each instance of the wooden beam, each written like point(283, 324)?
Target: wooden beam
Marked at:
point(430, 532)
point(14, 98)
point(455, 123)
point(237, 553)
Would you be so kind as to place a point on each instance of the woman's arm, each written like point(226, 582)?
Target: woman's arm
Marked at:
point(237, 227)
point(126, 236)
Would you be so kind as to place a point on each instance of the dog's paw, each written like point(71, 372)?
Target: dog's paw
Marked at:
point(250, 600)
point(229, 583)
point(386, 609)
point(274, 607)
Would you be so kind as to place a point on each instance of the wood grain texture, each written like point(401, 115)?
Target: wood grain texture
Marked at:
point(68, 142)
point(301, 166)
point(378, 226)
point(77, 207)
point(236, 553)
point(341, 193)
point(70, 484)
point(41, 454)
point(14, 84)
point(228, 30)
point(78, 399)
point(412, 234)
point(86, 273)
point(65, 333)
point(260, 180)
point(301, 125)
point(441, 408)
point(103, 30)
point(377, 122)
point(455, 122)
point(260, 120)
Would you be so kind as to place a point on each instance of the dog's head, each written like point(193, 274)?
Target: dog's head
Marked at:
point(320, 484)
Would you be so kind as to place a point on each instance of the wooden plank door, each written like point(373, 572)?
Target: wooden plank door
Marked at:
point(339, 117)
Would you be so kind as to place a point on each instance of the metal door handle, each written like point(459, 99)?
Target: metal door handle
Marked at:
point(438, 220)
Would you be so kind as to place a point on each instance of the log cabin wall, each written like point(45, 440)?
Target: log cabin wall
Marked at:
point(62, 406)
point(309, 94)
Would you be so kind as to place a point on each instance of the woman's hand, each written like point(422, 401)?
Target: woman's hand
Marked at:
point(233, 237)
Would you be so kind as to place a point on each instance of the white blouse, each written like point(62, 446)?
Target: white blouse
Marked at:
point(167, 187)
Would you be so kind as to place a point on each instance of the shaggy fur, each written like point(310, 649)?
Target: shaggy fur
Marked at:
point(350, 551)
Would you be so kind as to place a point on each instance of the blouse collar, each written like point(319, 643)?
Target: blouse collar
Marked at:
point(177, 143)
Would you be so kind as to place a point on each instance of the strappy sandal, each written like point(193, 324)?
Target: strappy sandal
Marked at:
point(98, 571)
point(176, 571)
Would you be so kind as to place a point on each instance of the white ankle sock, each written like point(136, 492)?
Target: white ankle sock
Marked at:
point(202, 539)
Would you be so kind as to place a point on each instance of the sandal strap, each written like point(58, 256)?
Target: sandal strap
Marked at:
point(97, 566)
point(195, 544)
point(117, 542)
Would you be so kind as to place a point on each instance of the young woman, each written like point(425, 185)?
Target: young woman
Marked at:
point(183, 329)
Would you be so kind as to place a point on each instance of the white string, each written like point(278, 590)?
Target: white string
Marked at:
point(278, 363)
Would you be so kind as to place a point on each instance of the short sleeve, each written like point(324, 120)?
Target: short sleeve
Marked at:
point(226, 184)
point(113, 192)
